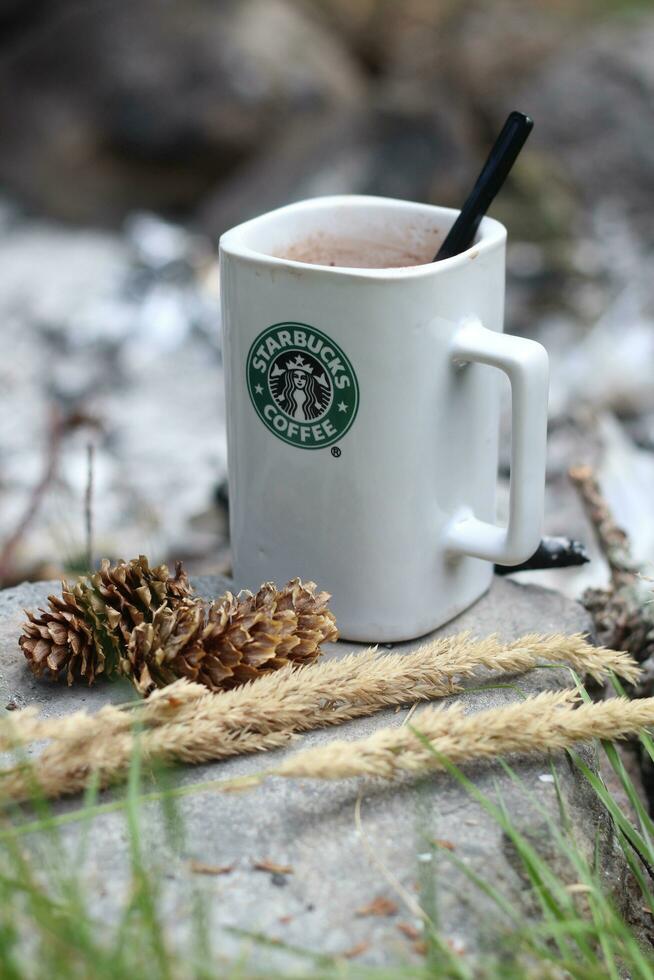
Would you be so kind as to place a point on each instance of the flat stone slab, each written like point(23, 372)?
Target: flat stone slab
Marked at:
point(338, 866)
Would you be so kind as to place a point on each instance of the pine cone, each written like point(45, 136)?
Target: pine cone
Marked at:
point(155, 649)
point(61, 640)
point(623, 617)
point(86, 631)
point(233, 640)
point(127, 594)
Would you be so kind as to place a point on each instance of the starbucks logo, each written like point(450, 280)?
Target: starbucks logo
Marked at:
point(302, 385)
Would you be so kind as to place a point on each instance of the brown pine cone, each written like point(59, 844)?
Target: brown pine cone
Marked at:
point(623, 617)
point(85, 632)
point(154, 652)
point(128, 593)
point(62, 641)
point(233, 640)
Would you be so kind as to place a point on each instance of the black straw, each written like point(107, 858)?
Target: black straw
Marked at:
point(501, 158)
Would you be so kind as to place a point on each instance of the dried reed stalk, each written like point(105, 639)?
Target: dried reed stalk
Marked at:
point(547, 721)
point(186, 722)
point(63, 768)
point(332, 691)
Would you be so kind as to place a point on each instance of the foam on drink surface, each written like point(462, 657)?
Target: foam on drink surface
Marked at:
point(416, 247)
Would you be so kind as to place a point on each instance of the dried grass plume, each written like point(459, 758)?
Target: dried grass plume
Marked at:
point(547, 721)
point(185, 722)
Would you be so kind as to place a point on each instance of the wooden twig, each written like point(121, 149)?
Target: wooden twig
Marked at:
point(56, 430)
point(623, 613)
point(88, 505)
point(612, 539)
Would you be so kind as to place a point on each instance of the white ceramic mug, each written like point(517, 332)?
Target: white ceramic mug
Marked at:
point(363, 414)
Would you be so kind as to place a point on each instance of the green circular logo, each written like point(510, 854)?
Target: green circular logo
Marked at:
point(302, 385)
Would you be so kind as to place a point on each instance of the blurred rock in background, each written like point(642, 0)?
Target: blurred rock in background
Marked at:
point(134, 134)
point(149, 105)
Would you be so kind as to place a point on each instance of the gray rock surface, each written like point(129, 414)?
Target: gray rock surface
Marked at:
point(311, 826)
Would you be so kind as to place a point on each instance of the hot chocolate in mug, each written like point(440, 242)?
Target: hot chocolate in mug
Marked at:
point(362, 389)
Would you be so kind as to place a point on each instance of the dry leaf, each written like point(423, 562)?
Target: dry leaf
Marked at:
point(379, 906)
point(285, 919)
point(272, 867)
point(357, 950)
point(445, 844)
point(420, 947)
point(200, 868)
point(408, 930)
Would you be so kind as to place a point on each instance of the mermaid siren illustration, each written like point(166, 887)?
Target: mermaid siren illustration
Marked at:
point(300, 387)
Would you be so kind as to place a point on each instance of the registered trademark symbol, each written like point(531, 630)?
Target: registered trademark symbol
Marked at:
point(336, 451)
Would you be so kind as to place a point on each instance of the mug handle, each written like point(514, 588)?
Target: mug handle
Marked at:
point(526, 364)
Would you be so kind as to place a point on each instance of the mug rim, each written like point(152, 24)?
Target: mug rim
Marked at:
point(491, 235)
